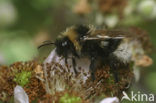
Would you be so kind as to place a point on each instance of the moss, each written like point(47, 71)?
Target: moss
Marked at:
point(22, 78)
point(69, 99)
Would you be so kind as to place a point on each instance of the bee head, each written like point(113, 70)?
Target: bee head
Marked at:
point(62, 45)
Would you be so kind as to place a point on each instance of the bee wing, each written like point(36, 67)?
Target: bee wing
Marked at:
point(100, 37)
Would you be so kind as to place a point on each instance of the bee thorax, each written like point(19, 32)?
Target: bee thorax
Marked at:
point(123, 52)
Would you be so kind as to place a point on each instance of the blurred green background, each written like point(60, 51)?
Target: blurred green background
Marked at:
point(26, 24)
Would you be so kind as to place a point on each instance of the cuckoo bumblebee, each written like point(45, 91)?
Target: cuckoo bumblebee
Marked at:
point(82, 40)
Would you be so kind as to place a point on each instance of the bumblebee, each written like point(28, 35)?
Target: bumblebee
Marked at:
point(86, 41)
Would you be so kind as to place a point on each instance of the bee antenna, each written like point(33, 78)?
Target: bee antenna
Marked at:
point(45, 44)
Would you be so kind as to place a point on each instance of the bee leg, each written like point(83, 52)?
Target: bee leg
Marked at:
point(74, 65)
point(116, 77)
point(66, 59)
point(115, 73)
point(114, 67)
point(92, 68)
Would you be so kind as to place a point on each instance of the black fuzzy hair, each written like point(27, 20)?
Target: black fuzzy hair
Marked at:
point(82, 30)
